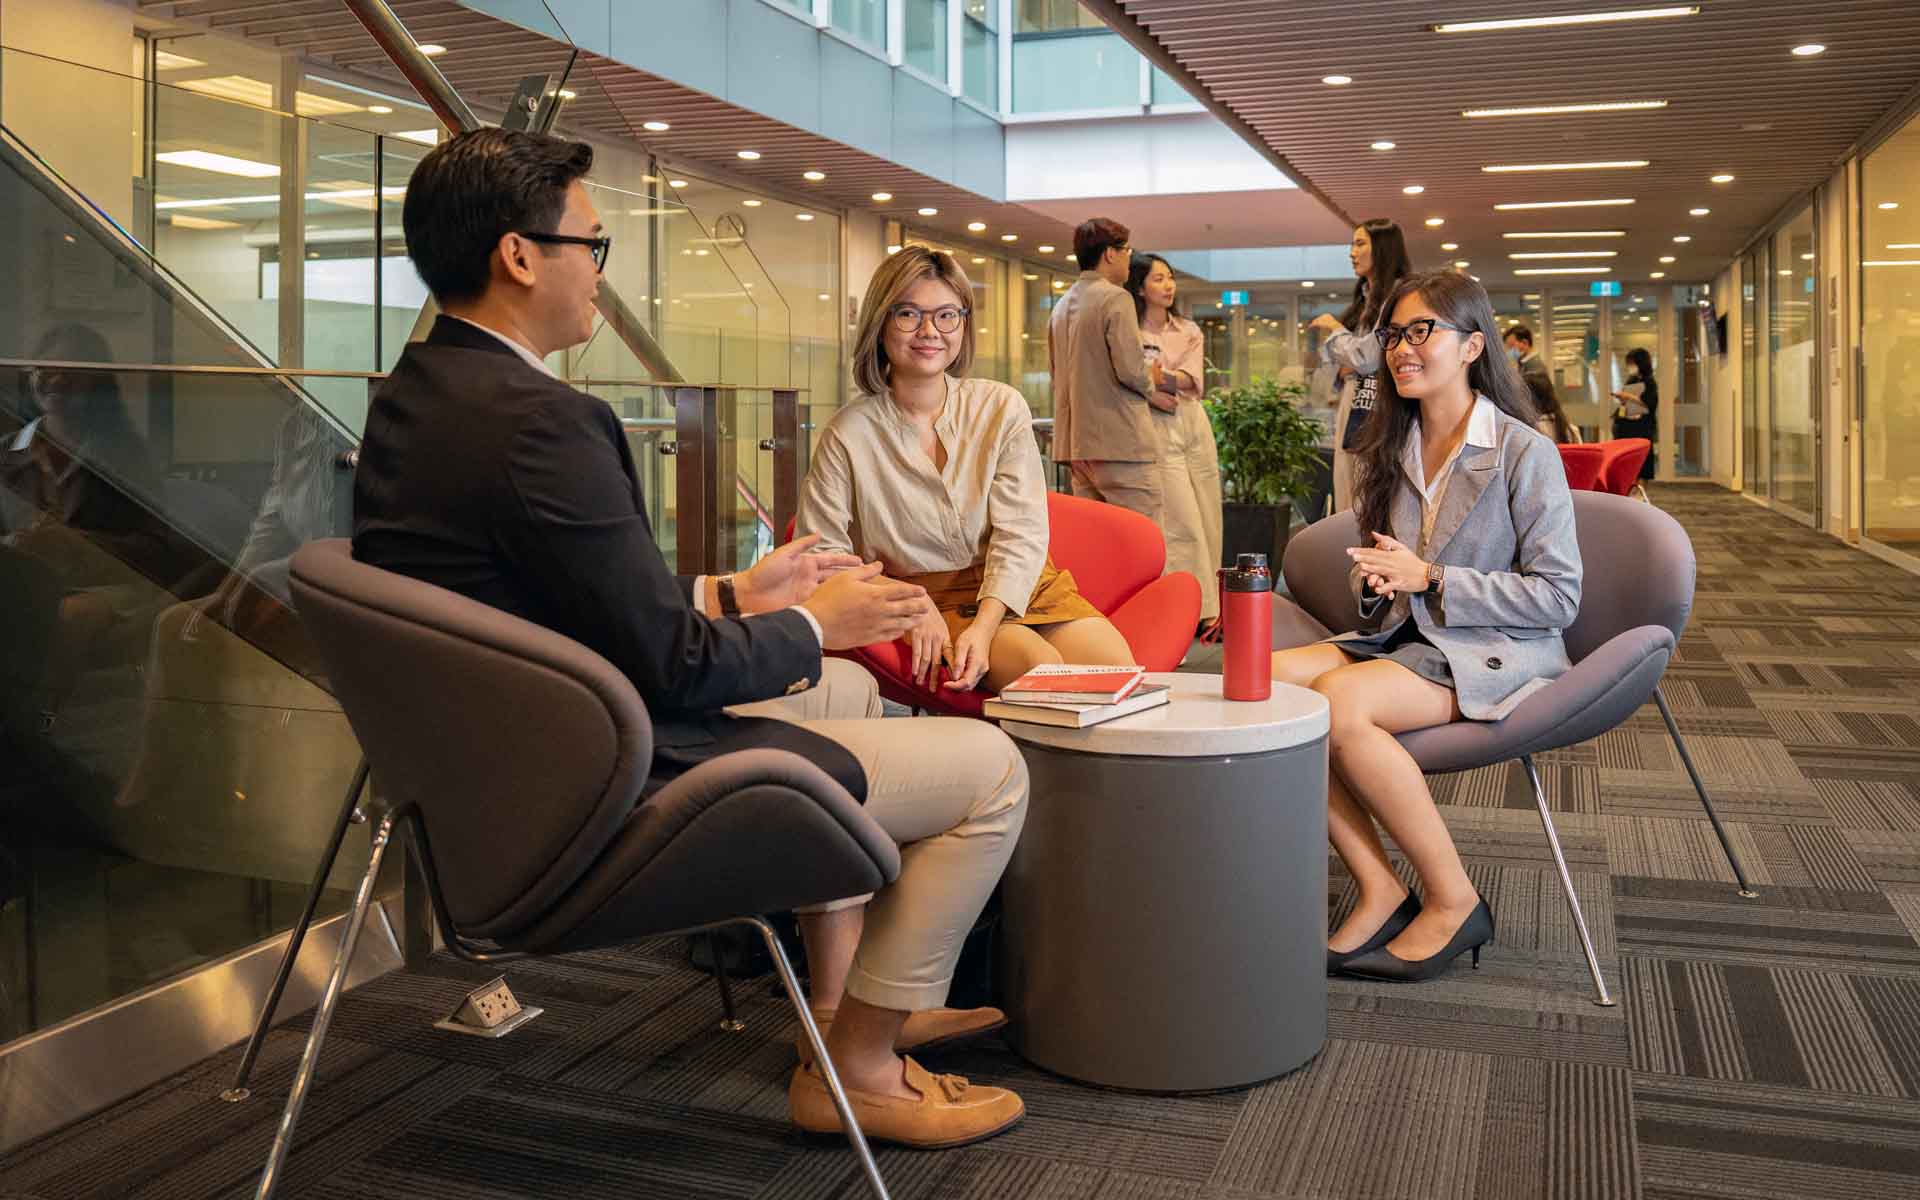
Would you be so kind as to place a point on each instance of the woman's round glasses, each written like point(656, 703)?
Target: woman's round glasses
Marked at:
point(908, 319)
point(1416, 332)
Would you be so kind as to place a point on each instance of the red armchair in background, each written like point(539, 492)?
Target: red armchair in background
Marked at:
point(1116, 557)
point(1620, 468)
point(1583, 462)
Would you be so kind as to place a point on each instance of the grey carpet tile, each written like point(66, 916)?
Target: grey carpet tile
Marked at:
point(1761, 1049)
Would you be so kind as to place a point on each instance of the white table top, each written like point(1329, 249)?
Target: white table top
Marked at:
point(1196, 723)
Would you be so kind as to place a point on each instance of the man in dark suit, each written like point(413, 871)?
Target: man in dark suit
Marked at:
point(483, 473)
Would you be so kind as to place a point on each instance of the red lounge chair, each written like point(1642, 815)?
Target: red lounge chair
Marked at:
point(1620, 467)
point(1583, 463)
point(1116, 557)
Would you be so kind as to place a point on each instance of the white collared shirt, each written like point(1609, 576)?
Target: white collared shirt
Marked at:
point(1483, 430)
point(531, 359)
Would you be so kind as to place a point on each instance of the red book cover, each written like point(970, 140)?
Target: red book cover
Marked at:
point(1069, 683)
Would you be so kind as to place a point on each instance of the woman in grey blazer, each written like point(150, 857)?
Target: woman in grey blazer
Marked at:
point(1469, 571)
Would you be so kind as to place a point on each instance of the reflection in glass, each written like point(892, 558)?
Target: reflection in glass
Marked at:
point(865, 20)
point(1890, 340)
point(925, 37)
point(1794, 327)
point(980, 52)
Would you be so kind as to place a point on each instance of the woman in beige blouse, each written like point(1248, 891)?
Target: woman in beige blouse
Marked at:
point(938, 476)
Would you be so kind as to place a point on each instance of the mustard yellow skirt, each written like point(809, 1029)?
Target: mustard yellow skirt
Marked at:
point(957, 595)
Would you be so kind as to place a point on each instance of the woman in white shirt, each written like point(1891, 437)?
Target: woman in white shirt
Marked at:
point(1190, 459)
point(938, 477)
point(1379, 257)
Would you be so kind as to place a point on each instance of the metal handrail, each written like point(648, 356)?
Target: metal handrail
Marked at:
point(48, 364)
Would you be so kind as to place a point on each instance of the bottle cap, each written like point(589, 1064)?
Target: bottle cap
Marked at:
point(1248, 574)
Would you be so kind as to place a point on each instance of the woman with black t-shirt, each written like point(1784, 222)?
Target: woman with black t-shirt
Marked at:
point(1639, 400)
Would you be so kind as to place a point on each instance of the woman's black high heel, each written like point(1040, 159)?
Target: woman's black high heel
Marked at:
point(1401, 918)
point(1474, 932)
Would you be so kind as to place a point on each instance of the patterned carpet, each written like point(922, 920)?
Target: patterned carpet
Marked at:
point(1763, 1049)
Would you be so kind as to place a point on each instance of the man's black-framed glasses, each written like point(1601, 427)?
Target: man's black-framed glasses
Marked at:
point(602, 246)
point(907, 318)
point(1416, 332)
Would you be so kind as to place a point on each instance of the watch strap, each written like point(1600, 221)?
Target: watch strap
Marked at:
point(729, 600)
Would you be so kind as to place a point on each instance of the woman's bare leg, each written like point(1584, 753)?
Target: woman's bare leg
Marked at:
point(830, 938)
point(1089, 640)
point(1015, 650)
point(1349, 828)
point(1371, 702)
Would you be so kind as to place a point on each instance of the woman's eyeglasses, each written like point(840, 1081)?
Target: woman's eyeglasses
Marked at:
point(1415, 332)
point(908, 319)
point(602, 246)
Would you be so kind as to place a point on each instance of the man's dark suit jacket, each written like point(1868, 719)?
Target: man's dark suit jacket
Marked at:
point(492, 479)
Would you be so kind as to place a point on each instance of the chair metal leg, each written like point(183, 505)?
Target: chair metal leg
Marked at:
point(728, 1020)
point(1566, 884)
point(350, 814)
point(1700, 788)
point(323, 1015)
point(819, 1046)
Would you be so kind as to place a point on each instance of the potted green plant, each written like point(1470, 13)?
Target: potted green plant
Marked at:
point(1269, 462)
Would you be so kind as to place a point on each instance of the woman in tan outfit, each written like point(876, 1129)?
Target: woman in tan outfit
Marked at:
point(938, 477)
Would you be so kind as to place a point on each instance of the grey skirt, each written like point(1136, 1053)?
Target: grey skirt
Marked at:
point(1404, 644)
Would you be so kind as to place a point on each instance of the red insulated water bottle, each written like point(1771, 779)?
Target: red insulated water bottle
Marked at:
point(1246, 613)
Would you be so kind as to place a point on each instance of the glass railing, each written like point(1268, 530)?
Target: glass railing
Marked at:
point(1074, 71)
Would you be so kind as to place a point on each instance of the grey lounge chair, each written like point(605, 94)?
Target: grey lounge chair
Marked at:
point(1635, 598)
point(516, 756)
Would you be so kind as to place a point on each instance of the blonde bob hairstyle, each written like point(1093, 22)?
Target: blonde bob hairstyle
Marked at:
point(871, 370)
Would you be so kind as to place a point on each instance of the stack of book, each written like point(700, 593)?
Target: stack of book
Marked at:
point(1076, 696)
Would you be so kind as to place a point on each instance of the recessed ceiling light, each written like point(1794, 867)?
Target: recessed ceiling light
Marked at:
point(1435, 222)
point(224, 164)
point(1657, 275)
point(703, 254)
point(1560, 204)
point(1666, 258)
point(882, 197)
point(1307, 283)
point(655, 126)
point(749, 155)
point(1807, 257)
point(1449, 245)
point(1575, 233)
point(1413, 189)
point(826, 295)
point(1609, 165)
point(1682, 238)
point(1461, 263)
point(893, 249)
point(751, 203)
point(977, 261)
point(1554, 110)
point(430, 49)
point(976, 226)
point(1567, 254)
point(1889, 205)
point(1069, 256)
point(813, 176)
point(1059, 283)
point(1721, 178)
point(1563, 271)
point(1809, 50)
point(803, 216)
point(1029, 276)
point(1045, 249)
point(1009, 237)
point(379, 109)
point(1596, 18)
point(1383, 145)
point(1336, 80)
point(1698, 212)
point(569, 94)
point(676, 183)
point(929, 212)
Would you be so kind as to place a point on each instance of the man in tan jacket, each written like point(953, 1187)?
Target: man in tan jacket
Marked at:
point(1102, 382)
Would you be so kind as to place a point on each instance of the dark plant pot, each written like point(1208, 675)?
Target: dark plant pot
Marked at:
point(1254, 529)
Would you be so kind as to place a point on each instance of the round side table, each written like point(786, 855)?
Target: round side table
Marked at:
point(1165, 911)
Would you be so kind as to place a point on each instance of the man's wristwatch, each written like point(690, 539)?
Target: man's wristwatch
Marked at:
point(729, 602)
point(1436, 577)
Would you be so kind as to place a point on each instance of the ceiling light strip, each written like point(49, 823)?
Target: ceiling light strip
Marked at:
point(1594, 18)
point(1614, 165)
point(1567, 254)
point(1554, 110)
point(1531, 204)
point(1568, 233)
point(1563, 270)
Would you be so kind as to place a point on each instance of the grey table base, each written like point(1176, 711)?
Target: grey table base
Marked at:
point(1164, 925)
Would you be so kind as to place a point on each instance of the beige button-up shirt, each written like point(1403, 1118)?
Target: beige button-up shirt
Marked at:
point(872, 490)
point(1100, 380)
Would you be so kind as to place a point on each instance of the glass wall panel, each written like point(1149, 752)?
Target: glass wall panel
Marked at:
point(1793, 329)
point(926, 37)
point(1890, 339)
point(1753, 372)
point(864, 20)
point(1692, 408)
point(1573, 357)
point(1066, 72)
point(1166, 91)
point(1634, 324)
point(980, 53)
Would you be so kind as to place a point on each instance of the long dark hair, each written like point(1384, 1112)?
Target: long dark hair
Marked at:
point(1137, 283)
point(1546, 401)
point(1458, 300)
point(1390, 266)
point(1641, 361)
